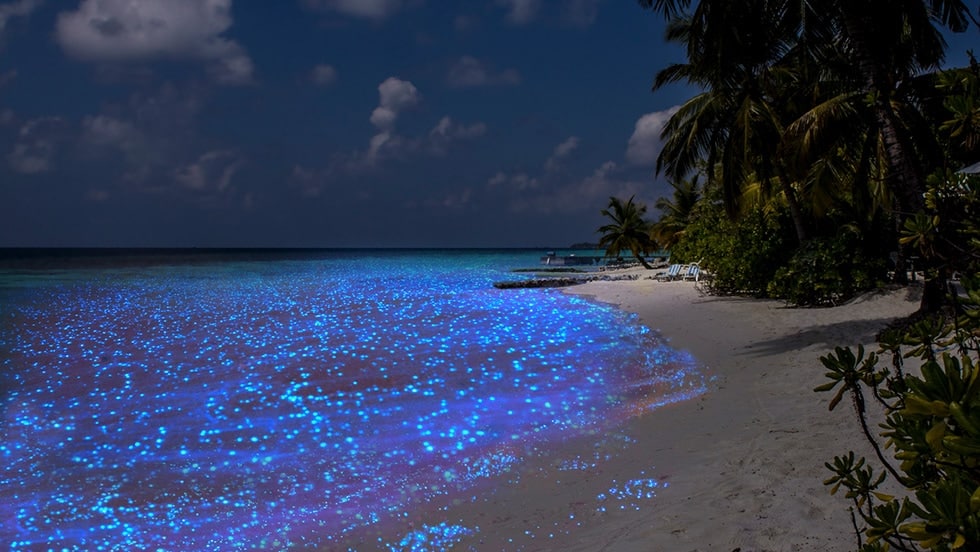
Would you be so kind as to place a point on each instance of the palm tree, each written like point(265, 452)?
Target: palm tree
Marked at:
point(735, 51)
point(676, 213)
point(886, 41)
point(627, 231)
point(879, 47)
point(889, 42)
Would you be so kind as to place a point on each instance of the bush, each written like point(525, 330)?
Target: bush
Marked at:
point(826, 271)
point(742, 255)
point(932, 425)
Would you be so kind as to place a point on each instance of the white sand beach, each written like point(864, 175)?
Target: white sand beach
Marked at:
point(743, 463)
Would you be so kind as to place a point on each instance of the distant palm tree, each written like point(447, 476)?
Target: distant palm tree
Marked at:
point(628, 230)
point(676, 212)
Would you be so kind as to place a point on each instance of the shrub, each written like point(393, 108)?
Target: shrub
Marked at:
point(742, 255)
point(932, 425)
point(826, 271)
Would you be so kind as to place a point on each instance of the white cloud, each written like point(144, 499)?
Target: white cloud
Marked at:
point(519, 182)
point(387, 144)
point(470, 72)
point(37, 144)
point(211, 173)
point(323, 75)
point(154, 133)
point(396, 96)
point(561, 151)
point(446, 128)
point(21, 8)
point(446, 132)
point(382, 144)
point(369, 9)
point(575, 196)
point(520, 12)
point(645, 143)
point(566, 147)
point(129, 30)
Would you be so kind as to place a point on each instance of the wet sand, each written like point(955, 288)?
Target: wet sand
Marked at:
point(737, 468)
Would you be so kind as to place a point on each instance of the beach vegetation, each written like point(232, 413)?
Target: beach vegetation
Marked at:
point(833, 122)
point(628, 230)
point(835, 115)
point(826, 271)
point(676, 212)
point(929, 442)
point(742, 254)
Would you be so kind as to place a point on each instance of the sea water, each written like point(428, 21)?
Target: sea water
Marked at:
point(293, 402)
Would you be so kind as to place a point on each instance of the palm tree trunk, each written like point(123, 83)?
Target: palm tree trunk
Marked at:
point(643, 261)
point(795, 210)
point(903, 175)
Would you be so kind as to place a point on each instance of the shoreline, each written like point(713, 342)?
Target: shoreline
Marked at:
point(737, 468)
point(761, 437)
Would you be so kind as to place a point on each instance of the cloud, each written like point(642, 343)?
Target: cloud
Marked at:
point(519, 182)
point(471, 72)
point(308, 181)
point(368, 9)
point(446, 128)
point(211, 173)
point(396, 96)
point(153, 132)
point(389, 145)
point(561, 151)
point(382, 144)
point(567, 197)
point(103, 130)
point(129, 31)
point(323, 75)
point(581, 12)
point(520, 12)
point(37, 143)
point(21, 8)
point(446, 132)
point(645, 144)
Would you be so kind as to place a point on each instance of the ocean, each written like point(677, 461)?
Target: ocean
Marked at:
point(301, 400)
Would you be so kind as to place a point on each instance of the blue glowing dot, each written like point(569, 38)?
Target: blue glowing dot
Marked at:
point(296, 404)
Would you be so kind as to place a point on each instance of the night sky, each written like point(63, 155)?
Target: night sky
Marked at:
point(327, 123)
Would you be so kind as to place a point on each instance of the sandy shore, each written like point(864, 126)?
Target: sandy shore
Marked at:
point(739, 468)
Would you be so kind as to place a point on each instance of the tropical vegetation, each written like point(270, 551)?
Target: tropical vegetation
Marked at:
point(627, 230)
point(818, 131)
point(819, 159)
point(931, 425)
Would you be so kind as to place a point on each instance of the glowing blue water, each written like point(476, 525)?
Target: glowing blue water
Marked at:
point(269, 404)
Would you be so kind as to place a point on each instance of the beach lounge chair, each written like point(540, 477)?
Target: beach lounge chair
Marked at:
point(673, 272)
point(693, 272)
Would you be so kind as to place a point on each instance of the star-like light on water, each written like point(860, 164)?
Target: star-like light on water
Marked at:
point(270, 406)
